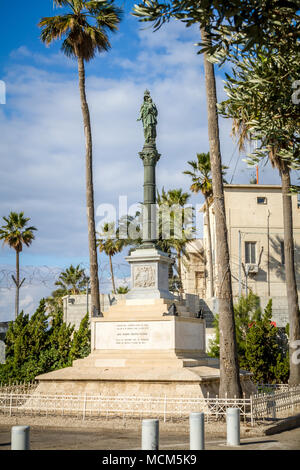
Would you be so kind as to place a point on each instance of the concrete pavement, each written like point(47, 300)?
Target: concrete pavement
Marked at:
point(125, 439)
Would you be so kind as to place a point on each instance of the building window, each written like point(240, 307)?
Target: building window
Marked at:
point(298, 200)
point(261, 200)
point(282, 253)
point(250, 252)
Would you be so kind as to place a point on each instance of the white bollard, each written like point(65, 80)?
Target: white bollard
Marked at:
point(150, 434)
point(196, 431)
point(233, 426)
point(20, 438)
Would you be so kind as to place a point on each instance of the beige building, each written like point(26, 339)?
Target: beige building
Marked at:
point(193, 269)
point(255, 236)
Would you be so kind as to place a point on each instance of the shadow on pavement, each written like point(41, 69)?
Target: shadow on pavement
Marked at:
point(268, 441)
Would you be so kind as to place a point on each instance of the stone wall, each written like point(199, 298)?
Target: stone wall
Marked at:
point(3, 330)
point(2, 352)
point(279, 309)
point(75, 306)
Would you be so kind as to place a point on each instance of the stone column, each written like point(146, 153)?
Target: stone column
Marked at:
point(150, 157)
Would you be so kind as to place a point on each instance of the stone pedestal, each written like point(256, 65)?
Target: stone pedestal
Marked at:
point(149, 274)
point(139, 350)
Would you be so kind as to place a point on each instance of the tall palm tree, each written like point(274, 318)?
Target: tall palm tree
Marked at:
point(85, 29)
point(230, 383)
point(201, 182)
point(110, 245)
point(15, 233)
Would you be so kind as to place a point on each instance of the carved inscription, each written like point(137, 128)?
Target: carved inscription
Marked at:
point(132, 333)
point(144, 276)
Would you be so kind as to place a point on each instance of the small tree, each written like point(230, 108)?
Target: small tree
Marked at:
point(25, 339)
point(34, 347)
point(81, 344)
point(246, 310)
point(264, 355)
point(262, 347)
point(60, 341)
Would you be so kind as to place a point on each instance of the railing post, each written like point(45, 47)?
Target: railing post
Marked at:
point(150, 434)
point(233, 426)
point(10, 404)
point(20, 438)
point(84, 407)
point(196, 431)
point(274, 406)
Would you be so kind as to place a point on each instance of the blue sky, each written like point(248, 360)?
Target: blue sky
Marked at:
point(42, 142)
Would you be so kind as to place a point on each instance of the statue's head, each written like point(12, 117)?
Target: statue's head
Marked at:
point(146, 95)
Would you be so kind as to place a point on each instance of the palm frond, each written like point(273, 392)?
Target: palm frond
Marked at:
point(82, 37)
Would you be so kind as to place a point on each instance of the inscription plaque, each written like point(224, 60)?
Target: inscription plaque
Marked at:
point(132, 333)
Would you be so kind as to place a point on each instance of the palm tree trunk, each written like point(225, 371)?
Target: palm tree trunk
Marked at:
point(291, 285)
point(179, 274)
point(94, 280)
point(112, 275)
point(17, 284)
point(229, 367)
point(210, 259)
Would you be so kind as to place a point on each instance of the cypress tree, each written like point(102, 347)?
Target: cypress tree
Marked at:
point(81, 345)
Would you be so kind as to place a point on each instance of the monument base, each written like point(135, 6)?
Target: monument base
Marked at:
point(139, 350)
point(194, 382)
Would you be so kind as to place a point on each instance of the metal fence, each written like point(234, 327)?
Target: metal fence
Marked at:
point(257, 407)
point(282, 398)
point(18, 387)
point(84, 406)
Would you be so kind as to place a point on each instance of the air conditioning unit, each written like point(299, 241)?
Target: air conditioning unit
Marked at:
point(251, 268)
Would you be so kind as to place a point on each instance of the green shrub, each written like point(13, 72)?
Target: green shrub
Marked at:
point(34, 347)
point(262, 347)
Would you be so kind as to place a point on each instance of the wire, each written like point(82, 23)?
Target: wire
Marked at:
point(47, 275)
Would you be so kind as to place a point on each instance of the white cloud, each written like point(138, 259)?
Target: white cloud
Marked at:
point(26, 302)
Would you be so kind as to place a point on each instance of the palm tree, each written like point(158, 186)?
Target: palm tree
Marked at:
point(201, 178)
point(122, 290)
point(201, 182)
point(84, 28)
point(230, 383)
point(175, 222)
point(71, 281)
point(110, 245)
point(15, 234)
